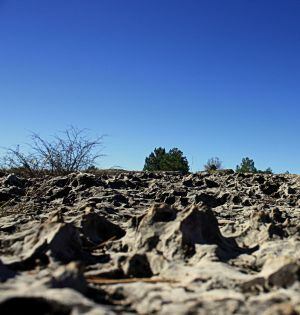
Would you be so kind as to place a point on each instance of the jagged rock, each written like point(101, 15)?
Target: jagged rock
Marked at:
point(98, 229)
point(14, 180)
point(188, 183)
point(269, 188)
point(291, 191)
point(221, 243)
point(176, 234)
point(5, 273)
point(184, 201)
point(58, 240)
point(5, 195)
point(210, 183)
point(180, 193)
point(170, 200)
point(236, 199)
point(42, 301)
point(120, 198)
point(85, 180)
point(281, 272)
point(69, 276)
point(116, 184)
point(211, 200)
point(10, 192)
point(137, 266)
point(33, 305)
point(59, 192)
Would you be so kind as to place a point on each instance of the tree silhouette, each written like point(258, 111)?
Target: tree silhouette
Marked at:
point(160, 160)
point(247, 166)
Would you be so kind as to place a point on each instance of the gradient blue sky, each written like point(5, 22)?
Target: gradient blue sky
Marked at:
point(211, 77)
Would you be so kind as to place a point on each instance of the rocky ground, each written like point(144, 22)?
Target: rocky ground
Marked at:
point(147, 243)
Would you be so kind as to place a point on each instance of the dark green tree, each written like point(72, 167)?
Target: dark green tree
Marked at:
point(160, 160)
point(247, 166)
point(268, 171)
point(155, 160)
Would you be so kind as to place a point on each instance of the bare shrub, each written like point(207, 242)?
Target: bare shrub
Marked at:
point(70, 151)
point(213, 164)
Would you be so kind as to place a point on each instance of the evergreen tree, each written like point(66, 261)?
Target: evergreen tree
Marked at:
point(160, 160)
point(247, 166)
point(268, 171)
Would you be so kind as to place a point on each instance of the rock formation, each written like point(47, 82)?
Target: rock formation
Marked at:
point(150, 243)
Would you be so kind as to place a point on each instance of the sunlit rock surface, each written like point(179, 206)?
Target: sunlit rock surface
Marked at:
point(150, 243)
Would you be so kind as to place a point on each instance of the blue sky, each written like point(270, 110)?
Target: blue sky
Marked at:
point(211, 77)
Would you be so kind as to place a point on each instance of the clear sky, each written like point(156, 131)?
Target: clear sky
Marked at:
point(211, 77)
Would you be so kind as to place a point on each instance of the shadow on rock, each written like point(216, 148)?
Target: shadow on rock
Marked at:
point(33, 306)
point(98, 229)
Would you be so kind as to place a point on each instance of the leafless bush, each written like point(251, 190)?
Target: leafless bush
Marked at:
point(213, 164)
point(70, 151)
